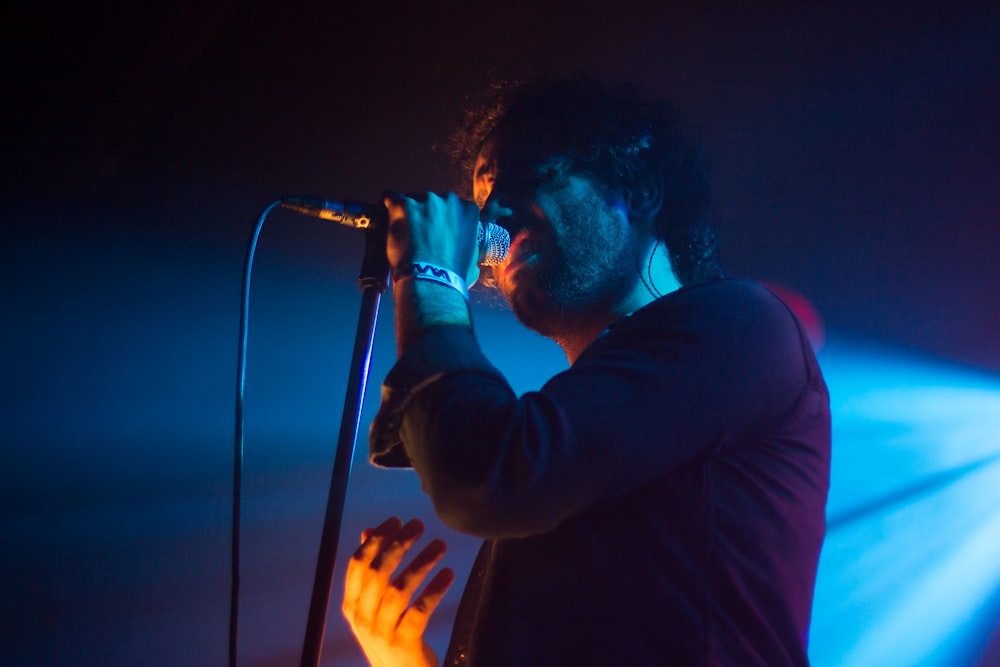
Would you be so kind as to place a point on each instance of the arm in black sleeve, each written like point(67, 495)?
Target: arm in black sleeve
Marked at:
point(686, 376)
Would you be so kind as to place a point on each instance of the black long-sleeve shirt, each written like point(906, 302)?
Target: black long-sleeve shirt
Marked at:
point(661, 502)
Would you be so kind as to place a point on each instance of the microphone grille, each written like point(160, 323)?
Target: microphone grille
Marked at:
point(494, 242)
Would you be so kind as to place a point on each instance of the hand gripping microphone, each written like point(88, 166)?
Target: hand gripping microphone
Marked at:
point(494, 241)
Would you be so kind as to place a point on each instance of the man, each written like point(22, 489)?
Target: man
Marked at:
point(661, 502)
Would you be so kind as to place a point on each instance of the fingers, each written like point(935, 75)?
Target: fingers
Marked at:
point(376, 604)
point(391, 548)
point(395, 203)
point(398, 594)
point(414, 621)
point(438, 229)
point(387, 528)
point(359, 566)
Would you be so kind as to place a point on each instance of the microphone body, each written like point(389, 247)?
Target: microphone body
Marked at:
point(493, 240)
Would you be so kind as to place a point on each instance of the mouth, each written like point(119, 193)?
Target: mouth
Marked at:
point(522, 253)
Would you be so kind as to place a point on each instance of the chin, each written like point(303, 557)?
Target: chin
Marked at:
point(530, 307)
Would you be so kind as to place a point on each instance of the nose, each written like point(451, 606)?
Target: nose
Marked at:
point(493, 211)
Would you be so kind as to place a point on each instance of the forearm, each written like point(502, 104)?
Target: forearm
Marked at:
point(423, 304)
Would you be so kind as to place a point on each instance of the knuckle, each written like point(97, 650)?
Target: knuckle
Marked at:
point(391, 593)
point(401, 584)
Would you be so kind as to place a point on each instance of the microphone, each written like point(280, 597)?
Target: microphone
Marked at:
point(493, 240)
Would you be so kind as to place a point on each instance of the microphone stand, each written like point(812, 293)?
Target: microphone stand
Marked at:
point(373, 281)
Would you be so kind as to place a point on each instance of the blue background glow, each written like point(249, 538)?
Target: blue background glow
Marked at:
point(855, 161)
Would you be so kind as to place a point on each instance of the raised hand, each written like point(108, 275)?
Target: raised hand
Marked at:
point(386, 619)
point(439, 229)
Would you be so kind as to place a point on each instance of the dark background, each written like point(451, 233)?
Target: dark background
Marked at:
point(854, 144)
point(855, 161)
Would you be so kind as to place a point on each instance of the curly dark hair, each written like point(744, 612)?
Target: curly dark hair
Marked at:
point(614, 134)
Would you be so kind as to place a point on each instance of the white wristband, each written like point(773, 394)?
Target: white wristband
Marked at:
point(439, 274)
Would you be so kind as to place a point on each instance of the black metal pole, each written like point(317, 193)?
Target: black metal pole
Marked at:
point(373, 281)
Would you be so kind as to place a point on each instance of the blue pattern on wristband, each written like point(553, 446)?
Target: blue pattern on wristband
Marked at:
point(439, 274)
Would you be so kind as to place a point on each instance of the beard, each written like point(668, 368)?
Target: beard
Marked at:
point(583, 269)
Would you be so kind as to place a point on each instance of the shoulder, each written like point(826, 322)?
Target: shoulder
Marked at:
point(718, 311)
point(732, 297)
point(736, 327)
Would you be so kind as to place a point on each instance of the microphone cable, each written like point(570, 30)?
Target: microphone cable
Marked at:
point(241, 373)
point(494, 243)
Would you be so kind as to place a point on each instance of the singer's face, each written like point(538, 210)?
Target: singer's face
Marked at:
point(572, 252)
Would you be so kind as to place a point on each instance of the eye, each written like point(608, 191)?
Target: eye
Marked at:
point(546, 176)
point(553, 172)
point(522, 185)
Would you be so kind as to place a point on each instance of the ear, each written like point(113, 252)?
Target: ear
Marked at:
point(645, 197)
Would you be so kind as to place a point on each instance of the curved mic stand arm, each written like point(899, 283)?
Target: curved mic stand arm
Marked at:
point(373, 281)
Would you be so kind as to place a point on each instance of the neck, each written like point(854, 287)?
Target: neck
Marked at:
point(654, 278)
